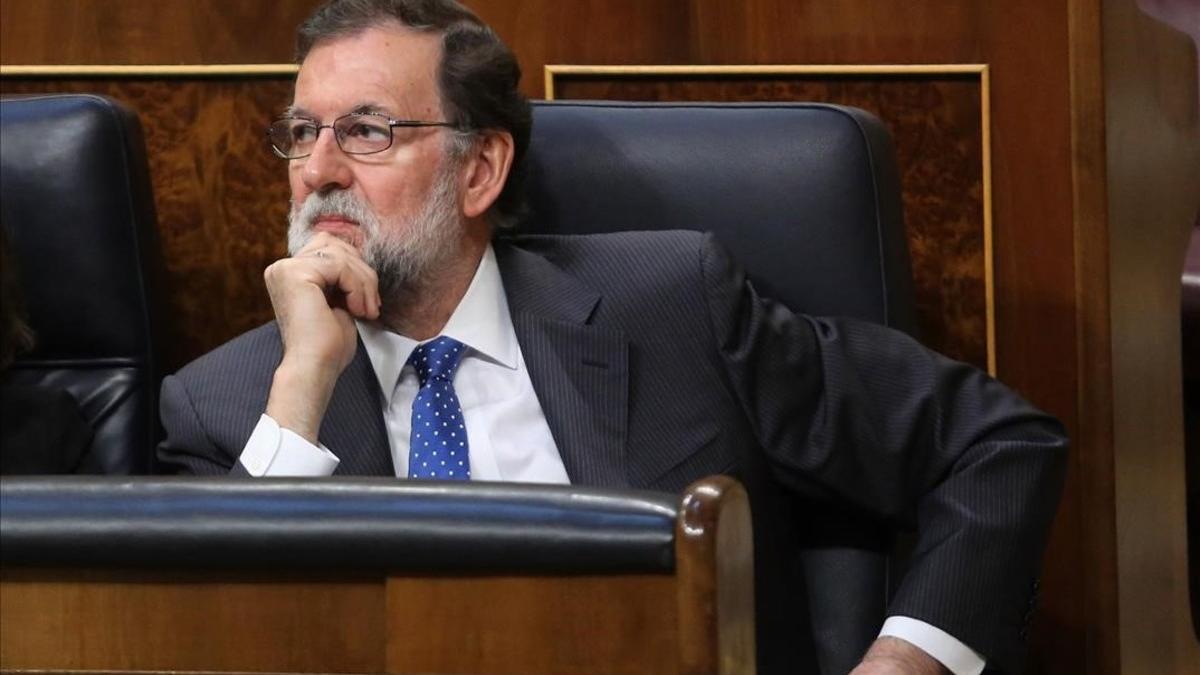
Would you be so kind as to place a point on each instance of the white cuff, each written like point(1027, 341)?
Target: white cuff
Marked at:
point(274, 451)
point(947, 649)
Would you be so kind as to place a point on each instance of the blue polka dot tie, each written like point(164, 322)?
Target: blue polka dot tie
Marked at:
point(438, 445)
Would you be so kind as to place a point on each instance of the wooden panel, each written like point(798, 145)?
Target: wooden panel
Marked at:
point(714, 563)
point(1152, 145)
point(182, 621)
point(221, 194)
point(936, 123)
point(591, 31)
point(595, 624)
point(1086, 605)
point(149, 31)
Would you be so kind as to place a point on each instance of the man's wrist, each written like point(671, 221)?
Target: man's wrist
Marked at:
point(947, 649)
point(893, 655)
point(300, 393)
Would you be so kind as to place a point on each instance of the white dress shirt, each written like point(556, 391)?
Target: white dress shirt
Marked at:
point(507, 433)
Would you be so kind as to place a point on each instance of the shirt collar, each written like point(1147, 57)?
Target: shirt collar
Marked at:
point(480, 321)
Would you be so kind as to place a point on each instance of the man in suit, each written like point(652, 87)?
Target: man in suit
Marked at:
point(410, 341)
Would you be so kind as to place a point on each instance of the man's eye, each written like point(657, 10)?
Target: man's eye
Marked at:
point(366, 131)
point(304, 133)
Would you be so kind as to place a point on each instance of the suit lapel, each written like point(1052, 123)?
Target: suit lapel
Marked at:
point(579, 371)
point(353, 426)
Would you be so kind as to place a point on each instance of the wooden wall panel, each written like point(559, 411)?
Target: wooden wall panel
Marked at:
point(588, 31)
point(149, 31)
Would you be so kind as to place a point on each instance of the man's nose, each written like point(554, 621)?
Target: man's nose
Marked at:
point(327, 168)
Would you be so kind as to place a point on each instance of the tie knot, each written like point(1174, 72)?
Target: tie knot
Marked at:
point(436, 360)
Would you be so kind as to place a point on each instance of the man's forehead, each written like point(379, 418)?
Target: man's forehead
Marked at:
point(365, 108)
point(390, 69)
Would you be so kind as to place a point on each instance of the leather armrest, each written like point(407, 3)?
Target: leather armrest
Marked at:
point(362, 523)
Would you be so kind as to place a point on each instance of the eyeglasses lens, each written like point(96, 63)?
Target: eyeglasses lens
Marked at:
point(355, 134)
point(363, 134)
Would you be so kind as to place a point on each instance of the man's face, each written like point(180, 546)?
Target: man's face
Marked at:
point(402, 202)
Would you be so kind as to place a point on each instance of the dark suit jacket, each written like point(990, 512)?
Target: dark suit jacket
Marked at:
point(656, 364)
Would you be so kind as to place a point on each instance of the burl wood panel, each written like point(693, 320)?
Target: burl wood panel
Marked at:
point(935, 122)
point(191, 621)
point(221, 194)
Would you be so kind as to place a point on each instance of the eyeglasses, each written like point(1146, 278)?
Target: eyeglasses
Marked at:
point(356, 133)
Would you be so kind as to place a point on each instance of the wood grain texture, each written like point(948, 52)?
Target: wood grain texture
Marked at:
point(220, 193)
point(190, 621)
point(149, 31)
point(935, 122)
point(1087, 605)
point(513, 625)
point(1150, 121)
point(714, 559)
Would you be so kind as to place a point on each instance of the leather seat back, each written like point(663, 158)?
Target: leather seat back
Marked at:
point(78, 213)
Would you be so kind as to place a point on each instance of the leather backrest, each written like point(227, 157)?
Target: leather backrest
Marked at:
point(807, 198)
point(78, 213)
point(335, 523)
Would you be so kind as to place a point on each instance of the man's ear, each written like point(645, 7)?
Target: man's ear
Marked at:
point(487, 167)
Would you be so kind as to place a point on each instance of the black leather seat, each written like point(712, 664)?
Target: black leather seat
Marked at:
point(335, 524)
point(807, 198)
point(78, 212)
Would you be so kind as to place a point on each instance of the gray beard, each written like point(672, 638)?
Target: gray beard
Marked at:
point(406, 256)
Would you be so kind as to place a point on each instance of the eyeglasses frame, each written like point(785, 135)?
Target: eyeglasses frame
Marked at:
point(391, 124)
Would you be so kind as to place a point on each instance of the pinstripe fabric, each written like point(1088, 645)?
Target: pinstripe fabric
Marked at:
point(656, 364)
point(580, 371)
point(211, 406)
point(833, 411)
point(354, 422)
point(582, 384)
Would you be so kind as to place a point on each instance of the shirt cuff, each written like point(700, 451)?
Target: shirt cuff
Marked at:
point(947, 649)
point(275, 451)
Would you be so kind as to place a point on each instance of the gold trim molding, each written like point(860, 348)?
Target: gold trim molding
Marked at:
point(979, 70)
point(219, 70)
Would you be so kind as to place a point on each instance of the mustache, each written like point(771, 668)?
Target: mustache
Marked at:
point(340, 203)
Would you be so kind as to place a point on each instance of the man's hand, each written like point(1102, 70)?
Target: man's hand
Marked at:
point(316, 295)
point(893, 656)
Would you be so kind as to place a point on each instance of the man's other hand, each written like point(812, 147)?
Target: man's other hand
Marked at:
point(316, 295)
point(893, 656)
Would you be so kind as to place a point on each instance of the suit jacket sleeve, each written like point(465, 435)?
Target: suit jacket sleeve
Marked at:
point(865, 415)
point(187, 448)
